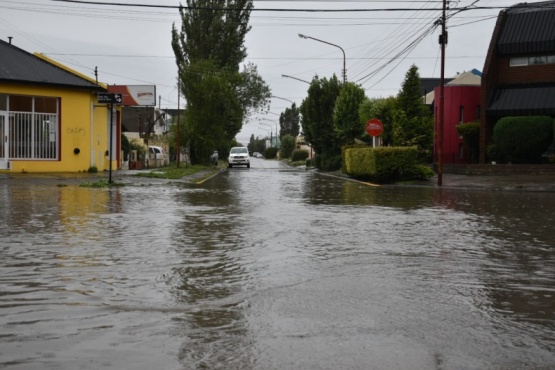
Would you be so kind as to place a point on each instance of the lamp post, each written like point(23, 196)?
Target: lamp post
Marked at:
point(277, 97)
point(295, 78)
point(337, 46)
point(265, 124)
point(271, 120)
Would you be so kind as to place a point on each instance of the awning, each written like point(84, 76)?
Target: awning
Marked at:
point(523, 100)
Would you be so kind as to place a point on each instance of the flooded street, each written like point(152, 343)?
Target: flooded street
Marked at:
point(275, 268)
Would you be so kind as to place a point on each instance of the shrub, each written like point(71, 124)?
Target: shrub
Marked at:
point(287, 146)
point(328, 162)
point(470, 133)
point(523, 139)
point(125, 146)
point(299, 155)
point(383, 164)
point(270, 153)
point(418, 172)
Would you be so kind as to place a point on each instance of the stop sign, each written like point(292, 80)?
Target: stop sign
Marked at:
point(374, 127)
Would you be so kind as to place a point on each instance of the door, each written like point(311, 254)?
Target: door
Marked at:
point(4, 140)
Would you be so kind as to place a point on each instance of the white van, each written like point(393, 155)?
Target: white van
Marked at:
point(157, 156)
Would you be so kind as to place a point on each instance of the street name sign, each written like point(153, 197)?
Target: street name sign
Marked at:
point(109, 98)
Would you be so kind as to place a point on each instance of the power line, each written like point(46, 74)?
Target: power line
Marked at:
point(303, 10)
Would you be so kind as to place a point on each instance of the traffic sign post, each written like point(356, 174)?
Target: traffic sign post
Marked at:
point(374, 128)
point(110, 99)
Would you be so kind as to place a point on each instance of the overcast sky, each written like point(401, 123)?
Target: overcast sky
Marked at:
point(131, 45)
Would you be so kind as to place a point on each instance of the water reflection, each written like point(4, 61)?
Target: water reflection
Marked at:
point(208, 276)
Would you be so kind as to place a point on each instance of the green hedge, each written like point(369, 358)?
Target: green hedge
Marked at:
point(270, 153)
point(383, 164)
point(521, 139)
point(299, 155)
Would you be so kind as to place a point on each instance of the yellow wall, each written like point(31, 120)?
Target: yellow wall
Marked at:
point(83, 125)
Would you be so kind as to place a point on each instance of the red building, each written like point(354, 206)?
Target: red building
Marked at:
point(462, 105)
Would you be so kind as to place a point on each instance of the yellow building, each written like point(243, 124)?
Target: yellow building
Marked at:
point(50, 118)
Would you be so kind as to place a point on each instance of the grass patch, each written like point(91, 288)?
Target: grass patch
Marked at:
point(173, 173)
point(100, 184)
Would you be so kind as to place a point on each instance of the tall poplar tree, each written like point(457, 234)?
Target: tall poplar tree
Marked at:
point(317, 122)
point(289, 121)
point(209, 50)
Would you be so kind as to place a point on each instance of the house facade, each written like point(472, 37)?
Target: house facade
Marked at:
point(50, 118)
point(519, 71)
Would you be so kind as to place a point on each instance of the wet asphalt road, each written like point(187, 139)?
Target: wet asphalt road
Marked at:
point(274, 268)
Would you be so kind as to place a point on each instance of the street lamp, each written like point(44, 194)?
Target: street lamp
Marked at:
point(295, 78)
point(269, 133)
point(337, 46)
point(271, 120)
point(270, 126)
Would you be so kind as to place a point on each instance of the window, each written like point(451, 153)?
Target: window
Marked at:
point(461, 114)
point(33, 128)
point(551, 59)
point(519, 61)
point(537, 60)
point(478, 111)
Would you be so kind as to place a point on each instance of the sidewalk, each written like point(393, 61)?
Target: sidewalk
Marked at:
point(125, 177)
point(516, 182)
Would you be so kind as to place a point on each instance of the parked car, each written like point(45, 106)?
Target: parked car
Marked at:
point(257, 155)
point(157, 152)
point(157, 156)
point(239, 155)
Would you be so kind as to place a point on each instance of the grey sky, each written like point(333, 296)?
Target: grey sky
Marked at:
point(131, 45)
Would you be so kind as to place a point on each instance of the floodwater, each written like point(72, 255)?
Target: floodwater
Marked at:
point(272, 268)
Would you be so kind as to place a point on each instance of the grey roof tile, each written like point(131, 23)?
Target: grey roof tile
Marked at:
point(528, 29)
point(19, 66)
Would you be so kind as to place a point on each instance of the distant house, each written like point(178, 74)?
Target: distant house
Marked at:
point(519, 71)
point(148, 126)
point(462, 105)
point(50, 118)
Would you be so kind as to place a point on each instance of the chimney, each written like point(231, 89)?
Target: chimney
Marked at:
point(10, 39)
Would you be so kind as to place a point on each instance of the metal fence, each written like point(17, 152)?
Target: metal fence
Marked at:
point(33, 136)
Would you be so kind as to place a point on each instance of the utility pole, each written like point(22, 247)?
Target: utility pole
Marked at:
point(443, 42)
point(178, 144)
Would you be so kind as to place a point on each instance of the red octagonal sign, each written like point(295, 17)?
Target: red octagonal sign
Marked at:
point(374, 127)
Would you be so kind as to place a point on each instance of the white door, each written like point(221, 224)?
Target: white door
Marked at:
point(3, 140)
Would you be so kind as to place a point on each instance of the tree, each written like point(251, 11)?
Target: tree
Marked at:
point(410, 98)
point(256, 145)
point(383, 109)
point(288, 144)
point(413, 123)
point(209, 49)
point(317, 121)
point(289, 121)
point(346, 120)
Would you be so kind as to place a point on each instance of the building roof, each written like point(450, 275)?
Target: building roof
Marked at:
point(522, 100)
point(470, 78)
point(428, 84)
point(528, 29)
point(19, 66)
